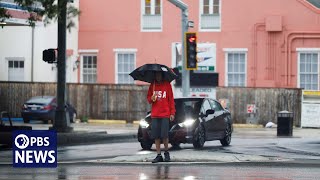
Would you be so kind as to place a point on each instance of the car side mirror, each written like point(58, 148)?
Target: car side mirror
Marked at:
point(209, 111)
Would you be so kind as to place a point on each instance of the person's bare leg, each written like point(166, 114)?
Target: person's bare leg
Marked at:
point(158, 143)
point(165, 143)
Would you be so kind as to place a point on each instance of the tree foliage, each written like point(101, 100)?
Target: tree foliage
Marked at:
point(47, 10)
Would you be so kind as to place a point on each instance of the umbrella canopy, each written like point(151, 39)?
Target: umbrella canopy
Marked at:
point(146, 73)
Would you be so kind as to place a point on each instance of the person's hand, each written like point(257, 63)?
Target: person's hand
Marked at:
point(154, 97)
point(171, 117)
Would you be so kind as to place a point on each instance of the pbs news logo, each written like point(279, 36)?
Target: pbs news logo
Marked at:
point(35, 148)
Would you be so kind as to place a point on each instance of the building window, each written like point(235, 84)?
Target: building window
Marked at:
point(210, 16)
point(151, 15)
point(125, 64)
point(15, 70)
point(236, 68)
point(89, 68)
point(309, 70)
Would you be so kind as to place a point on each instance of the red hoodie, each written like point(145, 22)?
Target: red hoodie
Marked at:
point(163, 107)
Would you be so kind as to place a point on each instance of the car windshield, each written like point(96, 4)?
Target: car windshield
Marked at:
point(40, 100)
point(187, 107)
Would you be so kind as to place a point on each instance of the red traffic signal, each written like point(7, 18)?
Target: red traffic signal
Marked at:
point(192, 39)
point(191, 50)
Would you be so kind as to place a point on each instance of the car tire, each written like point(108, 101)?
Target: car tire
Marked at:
point(73, 118)
point(146, 145)
point(175, 145)
point(227, 137)
point(199, 137)
point(25, 120)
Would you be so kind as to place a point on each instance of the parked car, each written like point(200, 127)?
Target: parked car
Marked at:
point(197, 120)
point(44, 108)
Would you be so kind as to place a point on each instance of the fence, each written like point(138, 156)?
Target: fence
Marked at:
point(128, 102)
point(268, 101)
point(96, 101)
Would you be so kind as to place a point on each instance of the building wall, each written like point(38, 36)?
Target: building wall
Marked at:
point(263, 28)
point(19, 47)
point(16, 42)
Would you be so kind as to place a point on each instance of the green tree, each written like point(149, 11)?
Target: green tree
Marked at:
point(48, 10)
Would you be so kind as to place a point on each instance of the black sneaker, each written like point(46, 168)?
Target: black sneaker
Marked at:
point(158, 159)
point(167, 157)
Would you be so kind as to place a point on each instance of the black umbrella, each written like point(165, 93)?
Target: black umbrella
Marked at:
point(146, 73)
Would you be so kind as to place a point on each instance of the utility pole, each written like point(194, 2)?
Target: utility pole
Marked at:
point(184, 28)
point(62, 121)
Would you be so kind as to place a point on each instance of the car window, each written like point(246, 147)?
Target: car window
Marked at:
point(183, 105)
point(40, 100)
point(205, 106)
point(215, 105)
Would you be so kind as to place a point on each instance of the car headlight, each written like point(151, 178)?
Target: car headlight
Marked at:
point(187, 123)
point(144, 123)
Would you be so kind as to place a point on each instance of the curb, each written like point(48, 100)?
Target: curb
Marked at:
point(136, 122)
point(111, 121)
point(101, 121)
point(106, 121)
point(247, 126)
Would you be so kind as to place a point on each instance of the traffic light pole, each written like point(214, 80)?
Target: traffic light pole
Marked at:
point(184, 23)
point(60, 123)
point(185, 73)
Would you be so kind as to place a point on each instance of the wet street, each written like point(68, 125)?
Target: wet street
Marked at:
point(145, 172)
point(253, 154)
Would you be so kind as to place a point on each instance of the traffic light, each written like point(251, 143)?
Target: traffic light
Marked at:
point(49, 55)
point(191, 50)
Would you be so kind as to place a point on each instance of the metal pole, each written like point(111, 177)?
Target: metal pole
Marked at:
point(185, 73)
point(32, 52)
point(184, 23)
point(61, 123)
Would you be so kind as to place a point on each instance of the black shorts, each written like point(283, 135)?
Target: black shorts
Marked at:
point(160, 128)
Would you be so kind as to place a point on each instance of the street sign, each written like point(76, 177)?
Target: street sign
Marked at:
point(190, 24)
point(250, 108)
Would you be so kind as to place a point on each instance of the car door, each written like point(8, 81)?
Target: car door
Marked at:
point(217, 124)
point(207, 119)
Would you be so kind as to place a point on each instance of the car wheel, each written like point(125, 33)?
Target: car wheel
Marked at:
point(25, 120)
point(175, 145)
point(227, 138)
point(146, 145)
point(199, 137)
point(73, 118)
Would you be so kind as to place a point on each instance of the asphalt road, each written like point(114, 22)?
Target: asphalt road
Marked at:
point(158, 171)
point(253, 154)
point(245, 147)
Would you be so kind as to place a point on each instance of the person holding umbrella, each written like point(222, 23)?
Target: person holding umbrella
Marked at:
point(160, 96)
point(163, 110)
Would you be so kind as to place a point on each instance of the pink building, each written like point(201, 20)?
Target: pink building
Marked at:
point(250, 43)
